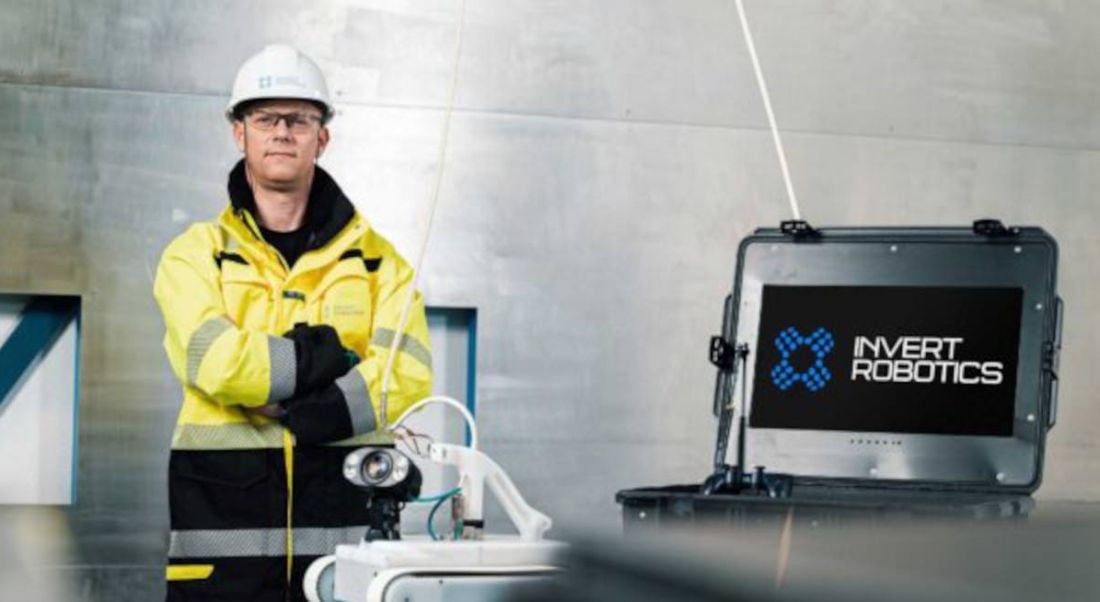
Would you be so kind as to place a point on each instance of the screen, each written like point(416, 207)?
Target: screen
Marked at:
point(887, 359)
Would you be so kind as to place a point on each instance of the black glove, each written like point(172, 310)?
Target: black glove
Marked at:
point(318, 416)
point(321, 357)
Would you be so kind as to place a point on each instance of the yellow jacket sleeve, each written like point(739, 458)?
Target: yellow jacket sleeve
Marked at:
point(412, 369)
point(208, 353)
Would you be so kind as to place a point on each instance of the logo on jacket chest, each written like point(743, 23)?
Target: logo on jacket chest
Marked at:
point(344, 310)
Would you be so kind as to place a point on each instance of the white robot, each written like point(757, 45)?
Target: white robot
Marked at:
point(465, 563)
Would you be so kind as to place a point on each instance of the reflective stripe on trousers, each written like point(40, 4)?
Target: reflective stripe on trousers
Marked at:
point(237, 543)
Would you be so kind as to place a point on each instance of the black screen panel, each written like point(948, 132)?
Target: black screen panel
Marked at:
point(928, 360)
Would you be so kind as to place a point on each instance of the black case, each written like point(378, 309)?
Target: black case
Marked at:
point(986, 254)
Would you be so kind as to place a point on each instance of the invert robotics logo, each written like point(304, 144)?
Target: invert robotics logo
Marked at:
point(815, 377)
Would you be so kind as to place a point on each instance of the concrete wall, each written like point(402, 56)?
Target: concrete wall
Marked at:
point(605, 158)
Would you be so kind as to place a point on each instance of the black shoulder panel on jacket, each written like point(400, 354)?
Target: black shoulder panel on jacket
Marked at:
point(223, 256)
point(371, 263)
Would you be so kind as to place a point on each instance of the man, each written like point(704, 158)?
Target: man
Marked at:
point(279, 318)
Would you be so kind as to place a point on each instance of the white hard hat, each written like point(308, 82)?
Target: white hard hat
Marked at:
point(279, 71)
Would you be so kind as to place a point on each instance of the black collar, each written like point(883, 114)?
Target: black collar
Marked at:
point(328, 210)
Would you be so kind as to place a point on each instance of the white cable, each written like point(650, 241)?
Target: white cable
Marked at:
point(403, 321)
point(458, 405)
point(768, 108)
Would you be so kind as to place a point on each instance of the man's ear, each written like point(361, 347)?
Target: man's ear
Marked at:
point(322, 141)
point(238, 134)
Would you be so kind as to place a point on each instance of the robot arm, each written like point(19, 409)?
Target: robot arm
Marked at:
point(476, 470)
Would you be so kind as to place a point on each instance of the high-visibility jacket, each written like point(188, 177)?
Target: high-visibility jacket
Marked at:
point(249, 509)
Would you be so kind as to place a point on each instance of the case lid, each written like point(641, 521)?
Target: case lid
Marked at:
point(899, 356)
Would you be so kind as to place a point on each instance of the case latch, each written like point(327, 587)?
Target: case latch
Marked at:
point(993, 228)
point(1052, 353)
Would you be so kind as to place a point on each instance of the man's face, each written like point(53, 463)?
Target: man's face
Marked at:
point(280, 140)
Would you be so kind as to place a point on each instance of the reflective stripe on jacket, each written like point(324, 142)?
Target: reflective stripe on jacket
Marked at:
point(248, 509)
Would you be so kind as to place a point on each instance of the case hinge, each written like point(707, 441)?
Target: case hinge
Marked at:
point(993, 228)
point(722, 353)
point(798, 229)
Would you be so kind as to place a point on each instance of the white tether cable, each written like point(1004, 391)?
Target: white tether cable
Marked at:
point(768, 108)
point(403, 321)
point(454, 403)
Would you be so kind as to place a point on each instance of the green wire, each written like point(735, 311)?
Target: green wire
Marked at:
point(431, 515)
point(436, 498)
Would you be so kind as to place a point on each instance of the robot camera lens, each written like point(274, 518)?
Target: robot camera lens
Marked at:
point(377, 466)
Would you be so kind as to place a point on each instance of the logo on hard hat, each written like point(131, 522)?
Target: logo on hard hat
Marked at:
point(268, 81)
point(820, 343)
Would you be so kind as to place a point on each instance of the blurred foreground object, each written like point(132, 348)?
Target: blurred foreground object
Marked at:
point(34, 543)
point(1051, 556)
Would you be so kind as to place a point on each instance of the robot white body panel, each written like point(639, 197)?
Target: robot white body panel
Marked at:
point(494, 585)
point(381, 570)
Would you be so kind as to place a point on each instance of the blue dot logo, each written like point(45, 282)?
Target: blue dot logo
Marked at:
point(785, 375)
